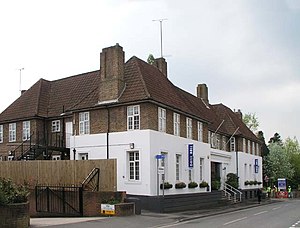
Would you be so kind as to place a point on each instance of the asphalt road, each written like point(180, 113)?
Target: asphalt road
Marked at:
point(276, 215)
point(279, 215)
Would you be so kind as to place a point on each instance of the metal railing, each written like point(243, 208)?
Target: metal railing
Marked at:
point(232, 193)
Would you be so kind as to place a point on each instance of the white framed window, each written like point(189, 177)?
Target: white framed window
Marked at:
point(253, 148)
point(223, 142)
point(12, 132)
point(244, 145)
point(26, 130)
point(164, 164)
point(83, 156)
point(201, 169)
point(200, 131)
point(257, 149)
point(1, 133)
point(134, 165)
point(84, 123)
point(191, 175)
point(249, 147)
point(232, 144)
point(209, 137)
point(176, 124)
point(55, 126)
point(161, 119)
point(189, 128)
point(56, 157)
point(178, 167)
point(133, 117)
point(218, 143)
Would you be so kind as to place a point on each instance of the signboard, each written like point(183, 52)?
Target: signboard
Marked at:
point(191, 155)
point(108, 209)
point(161, 170)
point(281, 183)
point(256, 165)
point(160, 156)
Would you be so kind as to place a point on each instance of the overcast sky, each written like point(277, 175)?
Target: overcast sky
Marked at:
point(247, 52)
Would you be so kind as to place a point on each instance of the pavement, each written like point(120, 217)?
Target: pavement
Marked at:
point(179, 216)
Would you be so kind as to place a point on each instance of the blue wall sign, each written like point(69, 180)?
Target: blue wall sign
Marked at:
point(256, 165)
point(191, 155)
point(159, 156)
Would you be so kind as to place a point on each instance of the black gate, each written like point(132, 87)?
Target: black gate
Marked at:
point(59, 200)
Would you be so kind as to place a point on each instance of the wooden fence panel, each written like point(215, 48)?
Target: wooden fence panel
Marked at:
point(63, 172)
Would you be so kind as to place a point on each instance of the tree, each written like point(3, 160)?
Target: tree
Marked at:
point(276, 139)
point(292, 149)
point(251, 121)
point(151, 59)
point(277, 163)
point(291, 146)
point(261, 137)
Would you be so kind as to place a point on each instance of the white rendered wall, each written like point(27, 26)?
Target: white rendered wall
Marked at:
point(149, 143)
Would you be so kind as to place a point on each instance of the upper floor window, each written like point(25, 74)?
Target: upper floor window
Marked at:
point(12, 132)
point(223, 142)
point(133, 117)
point(55, 126)
point(253, 147)
point(249, 147)
point(176, 124)
point(232, 144)
point(189, 128)
point(161, 119)
point(200, 131)
point(26, 130)
point(1, 133)
point(244, 145)
point(257, 149)
point(209, 137)
point(84, 123)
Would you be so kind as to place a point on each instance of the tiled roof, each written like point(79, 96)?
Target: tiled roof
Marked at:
point(143, 82)
point(232, 122)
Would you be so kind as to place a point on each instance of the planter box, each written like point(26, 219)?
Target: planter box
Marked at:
point(15, 215)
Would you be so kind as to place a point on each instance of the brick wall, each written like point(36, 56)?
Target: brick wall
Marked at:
point(15, 215)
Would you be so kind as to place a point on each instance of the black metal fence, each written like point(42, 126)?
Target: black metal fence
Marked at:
point(59, 200)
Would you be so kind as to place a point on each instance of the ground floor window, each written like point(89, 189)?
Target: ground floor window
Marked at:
point(178, 166)
point(201, 167)
point(134, 165)
point(83, 156)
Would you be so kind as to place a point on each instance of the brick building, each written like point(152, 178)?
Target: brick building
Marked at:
point(131, 111)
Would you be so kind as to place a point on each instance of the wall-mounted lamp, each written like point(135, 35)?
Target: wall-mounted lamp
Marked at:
point(131, 145)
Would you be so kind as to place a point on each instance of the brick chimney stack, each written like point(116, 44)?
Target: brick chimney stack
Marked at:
point(202, 92)
point(161, 64)
point(111, 73)
point(239, 114)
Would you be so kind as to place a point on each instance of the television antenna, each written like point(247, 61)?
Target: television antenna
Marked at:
point(161, 37)
point(20, 69)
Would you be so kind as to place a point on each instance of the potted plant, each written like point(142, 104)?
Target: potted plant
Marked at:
point(14, 205)
point(203, 184)
point(180, 185)
point(247, 182)
point(166, 185)
point(192, 184)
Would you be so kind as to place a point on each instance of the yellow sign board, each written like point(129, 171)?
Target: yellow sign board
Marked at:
point(108, 209)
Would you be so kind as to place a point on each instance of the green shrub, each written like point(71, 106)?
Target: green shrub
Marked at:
point(247, 182)
point(192, 185)
point(180, 185)
point(167, 185)
point(215, 185)
point(203, 184)
point(232, 180)
point(12, 193)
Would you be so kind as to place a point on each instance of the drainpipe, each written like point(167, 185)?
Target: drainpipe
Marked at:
point(107, 133)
